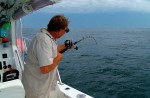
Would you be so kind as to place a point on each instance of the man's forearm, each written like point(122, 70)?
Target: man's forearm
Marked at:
point(48, 68)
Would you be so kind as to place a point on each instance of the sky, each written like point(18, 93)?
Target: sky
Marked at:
point(94, 14)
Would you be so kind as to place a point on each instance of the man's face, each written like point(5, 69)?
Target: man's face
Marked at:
point(61, 32)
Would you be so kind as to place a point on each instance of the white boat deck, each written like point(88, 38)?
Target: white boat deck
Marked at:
point(12, 89)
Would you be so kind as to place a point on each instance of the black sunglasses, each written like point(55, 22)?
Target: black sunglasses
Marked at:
point(66, 30)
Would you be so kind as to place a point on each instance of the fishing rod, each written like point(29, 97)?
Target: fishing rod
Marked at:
point(69, 44)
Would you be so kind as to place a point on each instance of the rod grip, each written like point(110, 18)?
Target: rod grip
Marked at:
point(64, 50)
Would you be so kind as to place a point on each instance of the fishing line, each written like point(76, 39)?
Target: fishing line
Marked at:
point(83, 38)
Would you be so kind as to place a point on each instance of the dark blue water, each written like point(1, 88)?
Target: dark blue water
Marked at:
point(117, 67)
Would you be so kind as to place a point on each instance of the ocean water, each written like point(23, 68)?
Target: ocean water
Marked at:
point(117, 67)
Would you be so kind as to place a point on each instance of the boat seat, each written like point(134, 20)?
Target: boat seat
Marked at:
point(11, 75)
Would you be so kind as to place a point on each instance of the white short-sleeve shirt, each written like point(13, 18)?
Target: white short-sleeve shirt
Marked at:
point(41, 52)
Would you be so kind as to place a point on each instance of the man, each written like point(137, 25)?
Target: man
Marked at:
point(40, 73)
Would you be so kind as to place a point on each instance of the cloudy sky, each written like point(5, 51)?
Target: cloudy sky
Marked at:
point(92, 6)
point(95, 14)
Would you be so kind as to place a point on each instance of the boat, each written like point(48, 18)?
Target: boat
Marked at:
point(13, 49)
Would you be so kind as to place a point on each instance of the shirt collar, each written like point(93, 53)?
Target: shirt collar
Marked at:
point(43, 30)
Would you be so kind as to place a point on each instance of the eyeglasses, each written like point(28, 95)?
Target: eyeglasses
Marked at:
point(66, 30)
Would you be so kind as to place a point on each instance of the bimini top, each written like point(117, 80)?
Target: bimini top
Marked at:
point(15, 9)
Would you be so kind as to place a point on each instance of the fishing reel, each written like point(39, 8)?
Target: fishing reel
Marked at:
point(69, 44)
